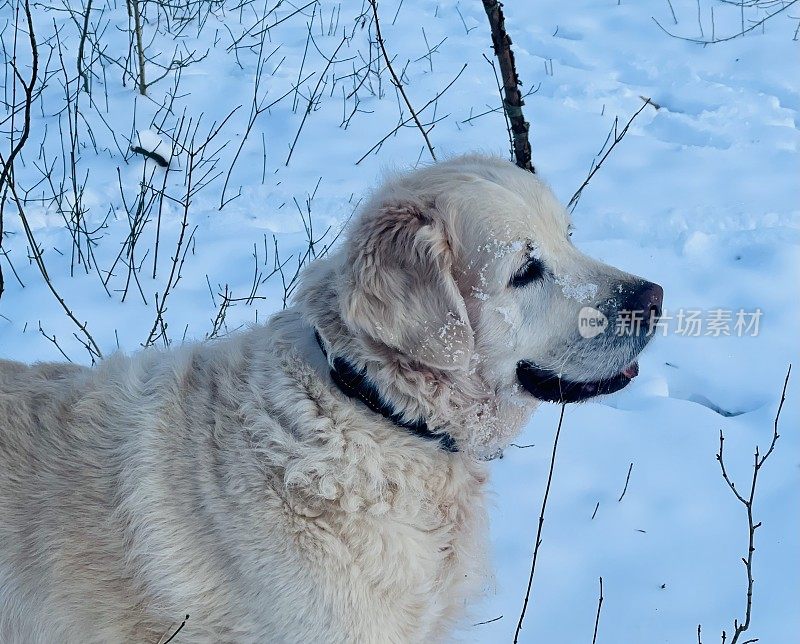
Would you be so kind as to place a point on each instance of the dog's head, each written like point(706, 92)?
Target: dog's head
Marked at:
point(468, 265)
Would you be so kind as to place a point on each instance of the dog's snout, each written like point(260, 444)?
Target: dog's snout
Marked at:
point(649, 300)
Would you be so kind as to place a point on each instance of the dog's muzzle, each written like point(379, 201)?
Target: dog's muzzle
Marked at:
point(645, 304)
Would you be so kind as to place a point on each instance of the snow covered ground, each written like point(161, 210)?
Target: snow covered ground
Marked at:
point(701, 196)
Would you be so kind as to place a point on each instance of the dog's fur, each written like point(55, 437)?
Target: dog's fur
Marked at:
point(232, 481)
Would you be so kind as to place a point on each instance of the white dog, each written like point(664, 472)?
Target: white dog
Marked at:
point(320, 478)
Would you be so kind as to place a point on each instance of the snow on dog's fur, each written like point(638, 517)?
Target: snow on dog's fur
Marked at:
point(235, 483)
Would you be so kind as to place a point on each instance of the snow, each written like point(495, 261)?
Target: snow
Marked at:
point(152, 142)
point(576, 289)
point(700, 196)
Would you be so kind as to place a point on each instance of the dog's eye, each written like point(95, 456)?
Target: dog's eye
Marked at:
point(533, 270)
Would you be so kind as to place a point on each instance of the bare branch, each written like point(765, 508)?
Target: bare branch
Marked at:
point(313, 98)
point(618, 136)
point(396, 80)
point(405, 122)
point(541, 523)
point(8, 164)
point(740, 628)
point(81, 45)
point(512, 98)
point(627, 480)
point(713, 40)
point(89, 343)
point(133, 7)
point(597, 617)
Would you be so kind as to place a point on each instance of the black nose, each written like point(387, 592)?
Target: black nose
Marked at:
point(649, 298)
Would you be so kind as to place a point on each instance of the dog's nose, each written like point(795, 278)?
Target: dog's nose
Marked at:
point(649, 299)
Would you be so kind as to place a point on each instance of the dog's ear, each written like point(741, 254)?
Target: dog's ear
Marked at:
point(400, 288)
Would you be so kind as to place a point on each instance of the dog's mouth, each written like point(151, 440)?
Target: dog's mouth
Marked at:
point(548, 385)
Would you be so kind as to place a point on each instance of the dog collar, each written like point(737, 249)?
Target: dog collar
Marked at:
point(355, 384)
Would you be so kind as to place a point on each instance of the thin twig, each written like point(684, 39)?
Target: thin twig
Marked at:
point(396, 80)
point(713, 40)
point(618, 136)
point(172, 637)
point(6, 175)
point(597, 617)
point(313, 98)
point(8, 164)
point(489, 621)
point(81, 44)
point(90, 344)
point(541, 523)
point(758, 462)
point(409, 119)
point(627, 480)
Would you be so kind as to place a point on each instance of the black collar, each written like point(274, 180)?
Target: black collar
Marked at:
point(355, 384)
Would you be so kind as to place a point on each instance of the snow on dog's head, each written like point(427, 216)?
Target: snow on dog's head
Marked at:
point(467, 266)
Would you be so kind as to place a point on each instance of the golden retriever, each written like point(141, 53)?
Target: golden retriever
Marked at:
point(319, 478)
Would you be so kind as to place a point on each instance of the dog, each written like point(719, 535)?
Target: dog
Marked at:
point(319, 478)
